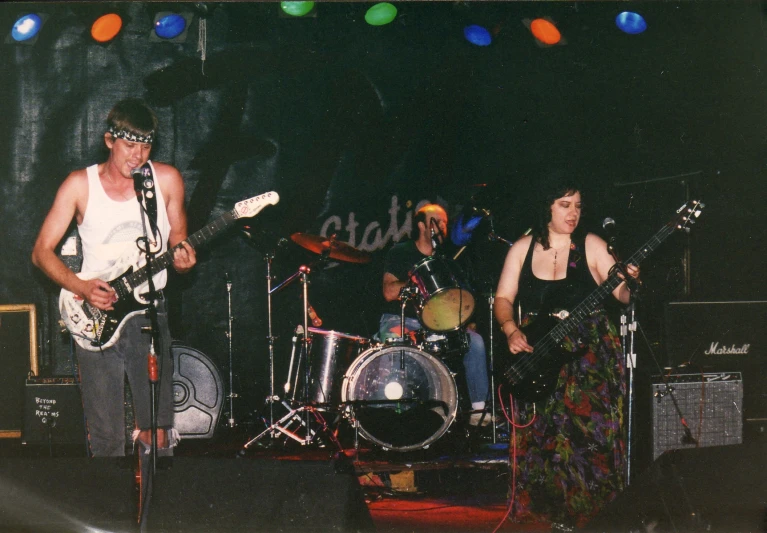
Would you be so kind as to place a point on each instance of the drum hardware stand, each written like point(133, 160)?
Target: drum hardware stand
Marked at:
point(494, 237)
point(232, 395)
point(269, 258)
point(407, 293)
point(294, 414)
point(491, 304)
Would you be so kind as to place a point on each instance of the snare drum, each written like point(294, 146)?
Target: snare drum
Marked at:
point(445, 302)
point(444, 345)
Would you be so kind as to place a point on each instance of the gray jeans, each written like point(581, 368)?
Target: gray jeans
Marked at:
point(102, 380)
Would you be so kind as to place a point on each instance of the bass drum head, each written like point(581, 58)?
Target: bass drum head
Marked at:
point(402, 398)
point(198, 393)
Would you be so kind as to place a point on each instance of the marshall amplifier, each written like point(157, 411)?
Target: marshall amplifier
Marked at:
point(722, 337)
point(696, 410)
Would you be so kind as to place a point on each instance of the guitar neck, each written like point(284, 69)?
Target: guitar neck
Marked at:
point(592, 301)
point(197, 239)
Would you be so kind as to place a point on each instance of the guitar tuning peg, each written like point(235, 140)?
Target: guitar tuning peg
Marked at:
point(687, 230)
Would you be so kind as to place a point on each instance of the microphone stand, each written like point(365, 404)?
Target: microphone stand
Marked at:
point(152, 366)
point(627, 331)
point(151, 311)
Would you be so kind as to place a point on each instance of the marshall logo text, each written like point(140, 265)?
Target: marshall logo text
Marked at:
point(714, 349)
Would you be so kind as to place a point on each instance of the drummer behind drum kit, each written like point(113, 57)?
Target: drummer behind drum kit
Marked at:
point(398, 395)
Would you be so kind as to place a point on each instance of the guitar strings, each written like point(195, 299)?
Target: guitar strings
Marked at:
point(541, 349)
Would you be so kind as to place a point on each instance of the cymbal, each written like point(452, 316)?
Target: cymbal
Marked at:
point(340, 251)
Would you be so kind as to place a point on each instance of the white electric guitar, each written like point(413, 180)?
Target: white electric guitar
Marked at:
point(94, 329)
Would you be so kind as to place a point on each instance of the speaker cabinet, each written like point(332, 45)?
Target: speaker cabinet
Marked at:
point(67, 495)
point(53, 412)
point(193, 494)
point(18, 352)
point(205, 494)
point(722, 337)
point(709, 404)
point(722, 488)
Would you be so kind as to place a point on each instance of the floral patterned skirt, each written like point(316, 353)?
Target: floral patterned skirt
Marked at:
point(570, 461)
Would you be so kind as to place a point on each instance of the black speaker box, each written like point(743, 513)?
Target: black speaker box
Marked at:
point(193, 494)
point(66, 495)
point(206, 494)
point(53, 412)
point(722, 337)
point(722, 488)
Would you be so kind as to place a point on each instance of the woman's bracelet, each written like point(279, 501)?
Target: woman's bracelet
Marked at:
point(515, 329)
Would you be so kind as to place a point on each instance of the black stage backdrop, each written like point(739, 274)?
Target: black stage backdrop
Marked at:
point(355, 125)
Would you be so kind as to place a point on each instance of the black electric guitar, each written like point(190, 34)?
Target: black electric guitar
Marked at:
point(533, 376)
point(94, 329)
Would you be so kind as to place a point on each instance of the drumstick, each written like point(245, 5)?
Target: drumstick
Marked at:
point(459, 253)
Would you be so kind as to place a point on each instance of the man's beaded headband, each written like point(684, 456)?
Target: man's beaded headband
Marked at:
point(132, 136)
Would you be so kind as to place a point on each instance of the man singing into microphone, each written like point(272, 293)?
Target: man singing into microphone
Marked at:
point(103, 201)
point(429, 230)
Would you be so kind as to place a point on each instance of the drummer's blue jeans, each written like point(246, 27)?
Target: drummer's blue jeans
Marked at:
point(474, 360)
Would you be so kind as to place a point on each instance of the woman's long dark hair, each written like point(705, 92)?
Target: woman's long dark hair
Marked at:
point(550, 190)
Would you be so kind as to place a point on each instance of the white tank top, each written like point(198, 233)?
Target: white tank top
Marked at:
point(109, 228)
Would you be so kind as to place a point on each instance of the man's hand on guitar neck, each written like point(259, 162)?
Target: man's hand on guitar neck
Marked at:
point(98, 293)
point(184, 258)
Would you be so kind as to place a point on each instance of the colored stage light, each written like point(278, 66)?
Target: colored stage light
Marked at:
point(296, 9)
point(630, 22)
point(26, 27)
point(545, 31)
point(477, 35)
point(381, 14)
point(106, 27)
point(169, 25)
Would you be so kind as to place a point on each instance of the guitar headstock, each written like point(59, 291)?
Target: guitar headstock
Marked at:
point(252, 206)
point(687, 215)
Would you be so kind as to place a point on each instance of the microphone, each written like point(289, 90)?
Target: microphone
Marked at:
point(608, 225)
point(142, 178)
point(138, 178)
point(434, 230)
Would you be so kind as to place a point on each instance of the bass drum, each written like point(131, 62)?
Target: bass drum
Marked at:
point(401, 398)
point(198, 393)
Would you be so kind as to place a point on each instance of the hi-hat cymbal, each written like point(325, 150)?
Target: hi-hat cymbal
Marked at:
point(340, 251)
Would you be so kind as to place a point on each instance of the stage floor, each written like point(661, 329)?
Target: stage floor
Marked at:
point(459, 483)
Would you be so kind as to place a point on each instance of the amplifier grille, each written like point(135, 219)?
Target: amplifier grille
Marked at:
point(711, 404)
